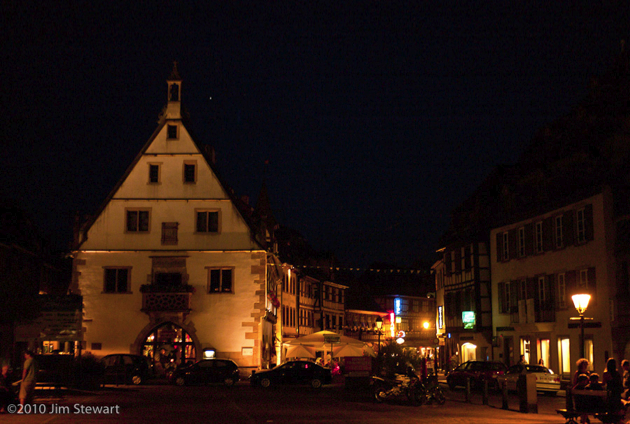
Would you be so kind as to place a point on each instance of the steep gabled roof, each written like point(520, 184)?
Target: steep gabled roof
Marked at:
point(185, 120)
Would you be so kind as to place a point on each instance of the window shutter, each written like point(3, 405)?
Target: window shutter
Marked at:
point(501, 297)
point(571, 286)
point(532, 288)
point(458, 260)
point(447, 262)
point(568, 228)
point(547, 229)
point(529, 239)
point(588, 222)
point(550, 291)
point(499, 247)
point(535, 294)
point(592, 285)
point(512, 243)
point(514, 294)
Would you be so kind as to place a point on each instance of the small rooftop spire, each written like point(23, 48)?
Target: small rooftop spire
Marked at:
point(174, 95)
point(175, 74)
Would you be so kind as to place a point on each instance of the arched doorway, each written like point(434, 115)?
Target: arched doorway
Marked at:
point(469, 352)
point(168, 346)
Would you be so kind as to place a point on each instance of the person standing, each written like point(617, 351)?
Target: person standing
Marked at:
point(6, 396)
point(614, 386)
point(625, 365)
point(29, 378)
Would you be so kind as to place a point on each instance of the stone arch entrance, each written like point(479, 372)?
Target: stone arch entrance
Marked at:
point(168, 346)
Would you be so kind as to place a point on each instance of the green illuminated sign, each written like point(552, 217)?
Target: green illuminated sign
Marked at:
point(468, 318)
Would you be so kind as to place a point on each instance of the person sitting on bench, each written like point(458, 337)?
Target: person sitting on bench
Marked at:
point(582, 402)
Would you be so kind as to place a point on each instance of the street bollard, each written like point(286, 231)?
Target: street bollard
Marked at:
point(485, 392)
point(468, 389)
point(528, 399)
point(504, 391)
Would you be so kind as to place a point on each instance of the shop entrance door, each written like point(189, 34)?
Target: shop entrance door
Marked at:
point(168, 346)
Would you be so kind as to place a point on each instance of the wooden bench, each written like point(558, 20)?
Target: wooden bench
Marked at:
point(590, 402)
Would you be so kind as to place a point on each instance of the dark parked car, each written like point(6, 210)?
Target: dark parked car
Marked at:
point(124, 368)
point(478, 372)
point(54, 370)
point(207, 371)
point(293, 372)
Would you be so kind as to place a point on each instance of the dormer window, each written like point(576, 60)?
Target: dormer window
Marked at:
point(171, 132)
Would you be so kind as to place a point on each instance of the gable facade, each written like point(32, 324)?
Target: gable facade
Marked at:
point(169, 267)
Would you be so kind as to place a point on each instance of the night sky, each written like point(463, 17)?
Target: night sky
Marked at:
point(376, 118)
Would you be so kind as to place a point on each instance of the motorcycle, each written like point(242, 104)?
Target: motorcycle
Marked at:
point(406, 386)
point(435, 393)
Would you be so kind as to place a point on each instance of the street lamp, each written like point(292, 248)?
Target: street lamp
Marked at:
point(379, 325)
point(581, 303)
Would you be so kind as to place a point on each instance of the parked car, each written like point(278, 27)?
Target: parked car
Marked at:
point(54, 370)
point(478, 372)
point(293, 372)
point(207, 371)
point(124, 368)
point(546, 380)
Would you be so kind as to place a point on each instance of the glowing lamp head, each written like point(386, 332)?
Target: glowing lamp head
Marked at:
point(426, 325)
point(581, 302)
point(379, 322)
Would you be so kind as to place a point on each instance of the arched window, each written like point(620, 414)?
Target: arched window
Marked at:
point(168, 346)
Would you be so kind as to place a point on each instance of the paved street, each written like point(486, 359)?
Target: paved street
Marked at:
point(245, 404)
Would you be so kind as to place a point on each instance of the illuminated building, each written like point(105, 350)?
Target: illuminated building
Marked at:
point(171, 264)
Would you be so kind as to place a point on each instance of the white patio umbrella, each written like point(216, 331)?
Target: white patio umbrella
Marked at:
point(347, 350)
point(317, 341)
point(300, 351)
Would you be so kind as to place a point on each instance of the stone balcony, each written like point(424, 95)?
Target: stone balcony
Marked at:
point(166, 299)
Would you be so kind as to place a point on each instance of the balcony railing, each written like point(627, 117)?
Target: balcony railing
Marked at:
point(166, 299)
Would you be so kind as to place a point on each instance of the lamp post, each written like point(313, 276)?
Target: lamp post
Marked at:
point(379, 325)
point(581, 303)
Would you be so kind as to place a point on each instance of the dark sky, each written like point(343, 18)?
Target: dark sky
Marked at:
point(377, 118)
